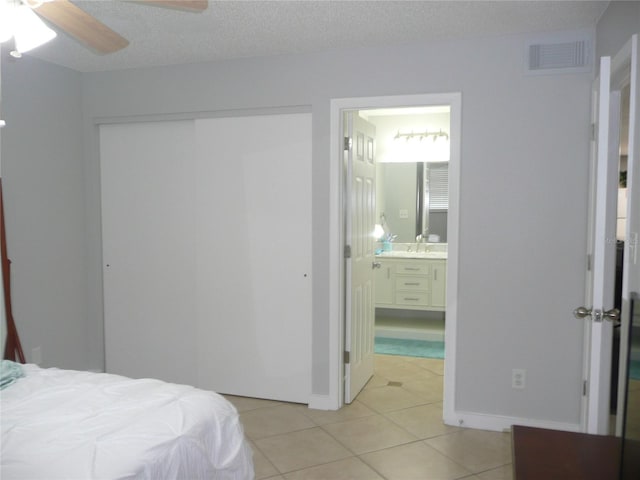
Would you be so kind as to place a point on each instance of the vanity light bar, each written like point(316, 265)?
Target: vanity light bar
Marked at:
point(421, 135)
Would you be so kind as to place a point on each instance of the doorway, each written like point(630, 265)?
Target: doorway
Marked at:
point(626, 230)
point(607, 145)
point(338, 298)
point(411, 204)
point(621, 240)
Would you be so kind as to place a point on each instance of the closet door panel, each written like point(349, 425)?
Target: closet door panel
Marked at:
point(253, 245)
point(148, 221)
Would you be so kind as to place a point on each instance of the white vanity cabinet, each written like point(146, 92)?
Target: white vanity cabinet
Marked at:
point(411, 283)
point(438, 284)
point(384, 280)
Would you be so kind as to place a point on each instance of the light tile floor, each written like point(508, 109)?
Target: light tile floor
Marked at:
point(388, 432)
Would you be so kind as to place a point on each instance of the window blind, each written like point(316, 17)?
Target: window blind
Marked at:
point(439, 186)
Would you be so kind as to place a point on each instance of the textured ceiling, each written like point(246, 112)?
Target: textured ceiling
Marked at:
point(235, 29)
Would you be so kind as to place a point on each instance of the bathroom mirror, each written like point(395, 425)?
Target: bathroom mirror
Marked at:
point(414, 199)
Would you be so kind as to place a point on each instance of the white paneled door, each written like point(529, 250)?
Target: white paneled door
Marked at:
point(601, 274)
point(360, 264)
point(207, 253)
point(598, 310)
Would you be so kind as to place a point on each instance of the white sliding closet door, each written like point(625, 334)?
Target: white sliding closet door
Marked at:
point(253, 247)
point(148, 220)
point(207, 253)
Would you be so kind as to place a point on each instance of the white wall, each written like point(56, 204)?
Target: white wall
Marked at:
point(43, 183)
point(523, 195)
point(619, 21)
point(523, 223)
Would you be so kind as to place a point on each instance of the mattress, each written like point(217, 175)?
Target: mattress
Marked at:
point(82, 425)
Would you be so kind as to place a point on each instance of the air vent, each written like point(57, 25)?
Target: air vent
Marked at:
point(561, 57)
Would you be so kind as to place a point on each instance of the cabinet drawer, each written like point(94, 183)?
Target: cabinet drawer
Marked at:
point(412, 298)
point(413, 268)
point(416, 283)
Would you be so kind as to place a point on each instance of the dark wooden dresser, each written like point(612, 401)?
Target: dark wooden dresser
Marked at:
point(542, 454)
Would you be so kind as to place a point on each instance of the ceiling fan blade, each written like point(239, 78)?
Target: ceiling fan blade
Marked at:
point(189, 5)
point(80, 25)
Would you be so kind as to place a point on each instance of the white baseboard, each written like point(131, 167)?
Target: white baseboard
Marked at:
point(501, 423)
point(322, 402)
point(410, 334)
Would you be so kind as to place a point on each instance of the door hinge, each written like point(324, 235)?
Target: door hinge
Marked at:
point(348, 143)
point(594, 131)
point(589, 263)
point(584, 388)
point(347, 251)
point(347, 358)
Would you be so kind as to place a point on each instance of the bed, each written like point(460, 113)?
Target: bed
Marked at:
point(83, 425)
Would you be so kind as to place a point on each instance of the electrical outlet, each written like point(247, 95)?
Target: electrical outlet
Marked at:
point(518, 378)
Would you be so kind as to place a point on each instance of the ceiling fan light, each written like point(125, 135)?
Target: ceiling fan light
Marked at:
point(29, 31)
point(5, 32)
point(6, 21)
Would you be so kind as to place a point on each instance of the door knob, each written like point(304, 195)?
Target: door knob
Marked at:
point(612, 315)
point(582, 312)
point(376, 265)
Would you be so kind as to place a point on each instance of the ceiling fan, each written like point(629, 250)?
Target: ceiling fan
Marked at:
point(89, 31)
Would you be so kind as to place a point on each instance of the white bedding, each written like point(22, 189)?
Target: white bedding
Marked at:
point(83, 425)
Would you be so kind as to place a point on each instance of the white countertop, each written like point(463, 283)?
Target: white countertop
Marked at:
point(432, 251)
point(423, 255)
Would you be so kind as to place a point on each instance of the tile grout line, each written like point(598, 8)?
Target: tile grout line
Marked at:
point(372, 412)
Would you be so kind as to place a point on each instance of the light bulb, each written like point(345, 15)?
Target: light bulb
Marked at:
point(29, 31)
point(6, 21)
